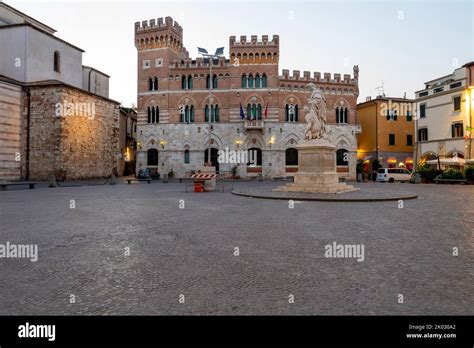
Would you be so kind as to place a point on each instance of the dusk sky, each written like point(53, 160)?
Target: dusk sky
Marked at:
point(400, 43)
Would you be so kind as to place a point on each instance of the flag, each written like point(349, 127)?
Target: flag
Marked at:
point(469, 129)
point(242, 115)
point(266, 111)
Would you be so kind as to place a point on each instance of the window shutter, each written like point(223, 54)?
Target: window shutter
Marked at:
point(453, 131)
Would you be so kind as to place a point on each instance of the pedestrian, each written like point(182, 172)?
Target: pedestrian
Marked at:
point(374, 175)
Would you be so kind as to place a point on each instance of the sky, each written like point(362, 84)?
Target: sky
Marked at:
point(397, 44)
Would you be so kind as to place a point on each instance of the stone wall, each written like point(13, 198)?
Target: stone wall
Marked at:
point(171, 140)
point(72, 132)
point(11, 110)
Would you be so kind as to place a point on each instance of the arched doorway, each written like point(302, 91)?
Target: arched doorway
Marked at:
point(152, 157)
point(214, 156)
point(291, 160)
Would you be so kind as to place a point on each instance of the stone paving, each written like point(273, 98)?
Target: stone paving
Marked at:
point(191, 251)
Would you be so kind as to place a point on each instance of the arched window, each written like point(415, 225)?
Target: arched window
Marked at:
point(259, 112)
point(215, 113)
point(342, 157)
point(190, 82)
point(183, 82)
point(187, 114)
point(214, 81)
point(291, 157)
point(264, 81)
point(186, 156)
point(346, 118)
point(341, 114)
point(152, 157)
point(258, 81)
point(155, 84)
point(291, 113)
point(150, 84)
point(206, 113)
point(244, 81)
point(250, 81)
point(249, 111)
point(157, 114)
point(255, 156)
point(153, 114)
point(191, 113)
point(57, 61)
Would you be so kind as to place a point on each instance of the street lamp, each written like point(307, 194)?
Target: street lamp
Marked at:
point(211, 57)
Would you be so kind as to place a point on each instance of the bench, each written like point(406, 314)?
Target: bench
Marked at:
point(450, 181)
point(4, 185)
point(129, 181)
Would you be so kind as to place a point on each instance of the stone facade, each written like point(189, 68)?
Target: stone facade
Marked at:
point(11, 122)
point(77, 145)
point(173, 94)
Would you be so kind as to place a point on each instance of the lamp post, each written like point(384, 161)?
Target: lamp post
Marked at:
point(211, 57)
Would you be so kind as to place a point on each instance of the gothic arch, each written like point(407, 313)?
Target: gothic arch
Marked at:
point(291, 140)
point(259, 143)
point(152, 102)
point(187, 100)
point(249, 100)
point(216, 100)
point(151, 143)
point(218, 144)
point(296, 101)
point(343, 142)
point(338, 103)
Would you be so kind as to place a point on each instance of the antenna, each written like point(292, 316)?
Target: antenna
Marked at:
point(380, 89)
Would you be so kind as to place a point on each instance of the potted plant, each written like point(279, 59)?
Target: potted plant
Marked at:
point(469, 174)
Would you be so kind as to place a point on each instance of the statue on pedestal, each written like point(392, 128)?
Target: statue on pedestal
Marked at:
point(315, 114)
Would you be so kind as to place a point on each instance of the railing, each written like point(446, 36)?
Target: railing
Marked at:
point(253, 124)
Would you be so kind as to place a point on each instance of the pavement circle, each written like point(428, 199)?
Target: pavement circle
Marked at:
point(356, 196)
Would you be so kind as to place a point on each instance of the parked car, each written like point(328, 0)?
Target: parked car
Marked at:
point(143, 174)
point(393, 174)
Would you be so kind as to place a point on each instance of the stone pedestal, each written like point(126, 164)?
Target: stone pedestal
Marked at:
point(316, 170)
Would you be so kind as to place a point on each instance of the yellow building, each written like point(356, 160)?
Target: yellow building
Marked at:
point(387, 132)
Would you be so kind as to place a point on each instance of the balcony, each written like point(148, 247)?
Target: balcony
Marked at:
point(253, 125)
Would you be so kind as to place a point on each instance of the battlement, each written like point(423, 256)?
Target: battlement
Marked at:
point(254, 41)
point(326, 77)
point(198, 63)
point(160, 23)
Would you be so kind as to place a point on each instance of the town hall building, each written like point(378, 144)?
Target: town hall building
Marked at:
point(251, 106)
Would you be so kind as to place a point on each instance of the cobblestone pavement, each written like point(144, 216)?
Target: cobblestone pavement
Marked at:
point(191, 251)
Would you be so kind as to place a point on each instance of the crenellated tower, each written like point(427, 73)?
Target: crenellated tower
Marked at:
point(160, 33)
point(254, 52)
point(159, 43)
